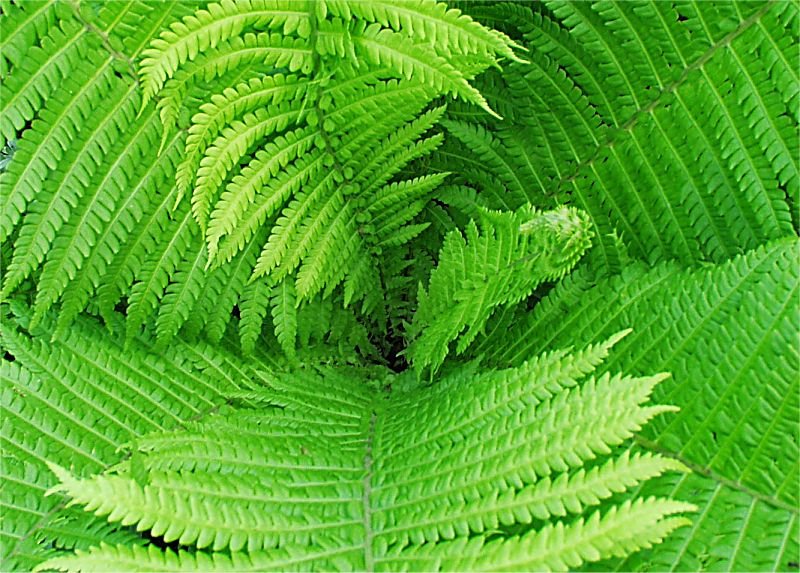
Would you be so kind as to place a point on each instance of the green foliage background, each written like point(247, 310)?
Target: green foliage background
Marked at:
point(391, 285)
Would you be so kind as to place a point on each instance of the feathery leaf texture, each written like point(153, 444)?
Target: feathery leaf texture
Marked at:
point(673, 127)
point(733, 327)
point(328, 467)
point(222, 222)
point(252, 85)
point(75, 402)
point(501, 266)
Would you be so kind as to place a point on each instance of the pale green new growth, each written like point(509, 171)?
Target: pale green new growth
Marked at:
point(499, 266)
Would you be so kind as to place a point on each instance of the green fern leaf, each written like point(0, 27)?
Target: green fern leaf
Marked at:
point(449, 31)
point(208, 28)
point(383, 47)
point(712, 320)
point(515, 253)
point(284, 316)
point(354, 469)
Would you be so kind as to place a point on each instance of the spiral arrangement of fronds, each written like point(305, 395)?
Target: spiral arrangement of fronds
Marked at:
point(399, 285)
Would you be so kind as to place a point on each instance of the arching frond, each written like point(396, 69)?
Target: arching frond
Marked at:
point(346, 478)
point(76, 401)
point(733, 316)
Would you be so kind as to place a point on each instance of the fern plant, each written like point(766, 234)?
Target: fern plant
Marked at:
point(399, 285)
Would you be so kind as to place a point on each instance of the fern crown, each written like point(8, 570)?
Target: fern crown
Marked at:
point(399, 285)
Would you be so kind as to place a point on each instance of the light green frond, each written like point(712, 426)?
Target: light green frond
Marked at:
point(242, 190)
point(284, 315)
point(447, 29)
point(298, 219)
point(253, 306)
point(320, 466)
point(223, 108)
point(231, 146)
point(266, 203)
point(158, 266)
point(500, 266)
point(395, 153)
point(206, 29)
point(263, 51)
point(182, 292)
point(384, 48)
point(561, 547)
point(338, 243)
point(124, 558)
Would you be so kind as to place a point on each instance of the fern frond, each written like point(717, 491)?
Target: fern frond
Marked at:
point(83, 227)
point(284, 315)
point(223, 289)
point(345, 480)
point(253, 306)
point(231, 146)
point(118, 229)
point(206, 29)
point(158, 266)
point(561, 547)
point(648, 149)
point(261, 51)
point(501, 266)
point(125, 558)
point(292, 215)
point(128, 261)
point(63, 190)
point(450, 31)
point(75, 401)
point(340, 241)
point(399, 149)
point(23, 26)
point(182, 293)
point(488, 149)
point(38, 74)
point(223, 109)
point(132, 25)
point(398, 203)
point(755, 533)
point(45, 143)
point(384, 48)
point(241, 191)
